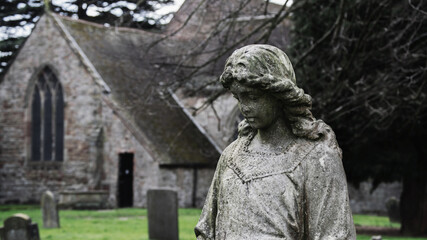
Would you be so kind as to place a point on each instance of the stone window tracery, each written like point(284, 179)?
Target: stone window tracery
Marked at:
point(47, 119)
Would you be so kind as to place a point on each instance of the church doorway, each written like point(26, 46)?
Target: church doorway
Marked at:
point(125, 181)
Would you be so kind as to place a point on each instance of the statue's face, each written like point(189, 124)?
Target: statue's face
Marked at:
point(260, 109)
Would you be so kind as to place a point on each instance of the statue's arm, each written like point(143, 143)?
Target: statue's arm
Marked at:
point(205, 228)
point(328, 214)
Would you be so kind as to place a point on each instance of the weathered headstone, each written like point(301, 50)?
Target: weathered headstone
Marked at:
point(19, 227)
point(49, 210)
point(393, 209)
point(162, 206)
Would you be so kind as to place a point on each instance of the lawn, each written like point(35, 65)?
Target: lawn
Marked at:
point(131, 223)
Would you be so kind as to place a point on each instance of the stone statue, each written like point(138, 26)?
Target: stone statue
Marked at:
point(283, 177)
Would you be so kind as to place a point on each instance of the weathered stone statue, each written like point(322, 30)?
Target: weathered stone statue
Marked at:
point(283, 177)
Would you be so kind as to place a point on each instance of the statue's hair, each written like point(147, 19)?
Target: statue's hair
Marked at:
point(269, 69)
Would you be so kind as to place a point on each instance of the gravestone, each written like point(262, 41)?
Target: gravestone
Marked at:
point(19, 227)
point(162, 207)
point(49, 210)
point(393, 209)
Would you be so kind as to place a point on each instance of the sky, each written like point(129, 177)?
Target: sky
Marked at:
point(281, 2)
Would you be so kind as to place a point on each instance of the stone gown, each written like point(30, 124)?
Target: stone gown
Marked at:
point(298, 194)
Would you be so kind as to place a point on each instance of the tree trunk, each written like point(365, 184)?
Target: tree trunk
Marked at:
point(414, 195)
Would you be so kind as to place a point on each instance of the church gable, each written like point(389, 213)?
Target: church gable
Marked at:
point(45, 130)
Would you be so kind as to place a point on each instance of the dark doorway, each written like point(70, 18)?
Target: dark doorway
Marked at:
point(125, 191)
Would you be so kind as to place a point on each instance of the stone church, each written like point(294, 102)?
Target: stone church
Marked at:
point(84, 114)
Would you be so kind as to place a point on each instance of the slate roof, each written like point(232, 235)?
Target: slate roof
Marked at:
point(134, 77)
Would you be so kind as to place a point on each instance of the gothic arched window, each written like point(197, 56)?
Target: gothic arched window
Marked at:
point(47, 118)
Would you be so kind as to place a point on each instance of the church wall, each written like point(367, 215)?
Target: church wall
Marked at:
point(118, 139)
point(20, 179)
point(147, 173)
point(192, 184)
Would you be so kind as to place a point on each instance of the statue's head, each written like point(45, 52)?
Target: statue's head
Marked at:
point(267, 69)
point(259, 66)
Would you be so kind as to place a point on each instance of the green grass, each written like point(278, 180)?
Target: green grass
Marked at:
point(377, 221)
point(131, 223)
point(120, 224)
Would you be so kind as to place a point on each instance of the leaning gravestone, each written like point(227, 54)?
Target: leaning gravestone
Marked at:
point(49, 210)
point(19, 227)
point(162, 214)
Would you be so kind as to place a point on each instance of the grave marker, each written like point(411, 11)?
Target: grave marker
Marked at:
point(19, 227)
point(49, 210)
point(162, 209)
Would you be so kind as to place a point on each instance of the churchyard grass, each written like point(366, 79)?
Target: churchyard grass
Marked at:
point(131, 223)
point(377, 221)
point(120, 224)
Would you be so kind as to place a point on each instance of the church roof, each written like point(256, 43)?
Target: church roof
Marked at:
point(135, 80)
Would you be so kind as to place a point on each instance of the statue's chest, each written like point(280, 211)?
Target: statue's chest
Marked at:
point(251, 165)
point(262, 187)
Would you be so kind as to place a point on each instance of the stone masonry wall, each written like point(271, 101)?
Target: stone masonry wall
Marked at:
point(20, 182)
point(147, 174)
point(182, 180)
point(118, 139)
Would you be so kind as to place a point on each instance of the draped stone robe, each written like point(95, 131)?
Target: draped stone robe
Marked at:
point(300, 193)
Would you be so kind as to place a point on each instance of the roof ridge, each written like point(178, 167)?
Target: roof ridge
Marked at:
point(98, 25)
point(191, 118)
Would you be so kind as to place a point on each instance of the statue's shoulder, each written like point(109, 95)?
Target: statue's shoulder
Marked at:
point(328, 138)
point(227, 153)
point(325, 152)
point(231, 147)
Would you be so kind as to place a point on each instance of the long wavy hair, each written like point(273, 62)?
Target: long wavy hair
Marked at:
point(269, 69)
